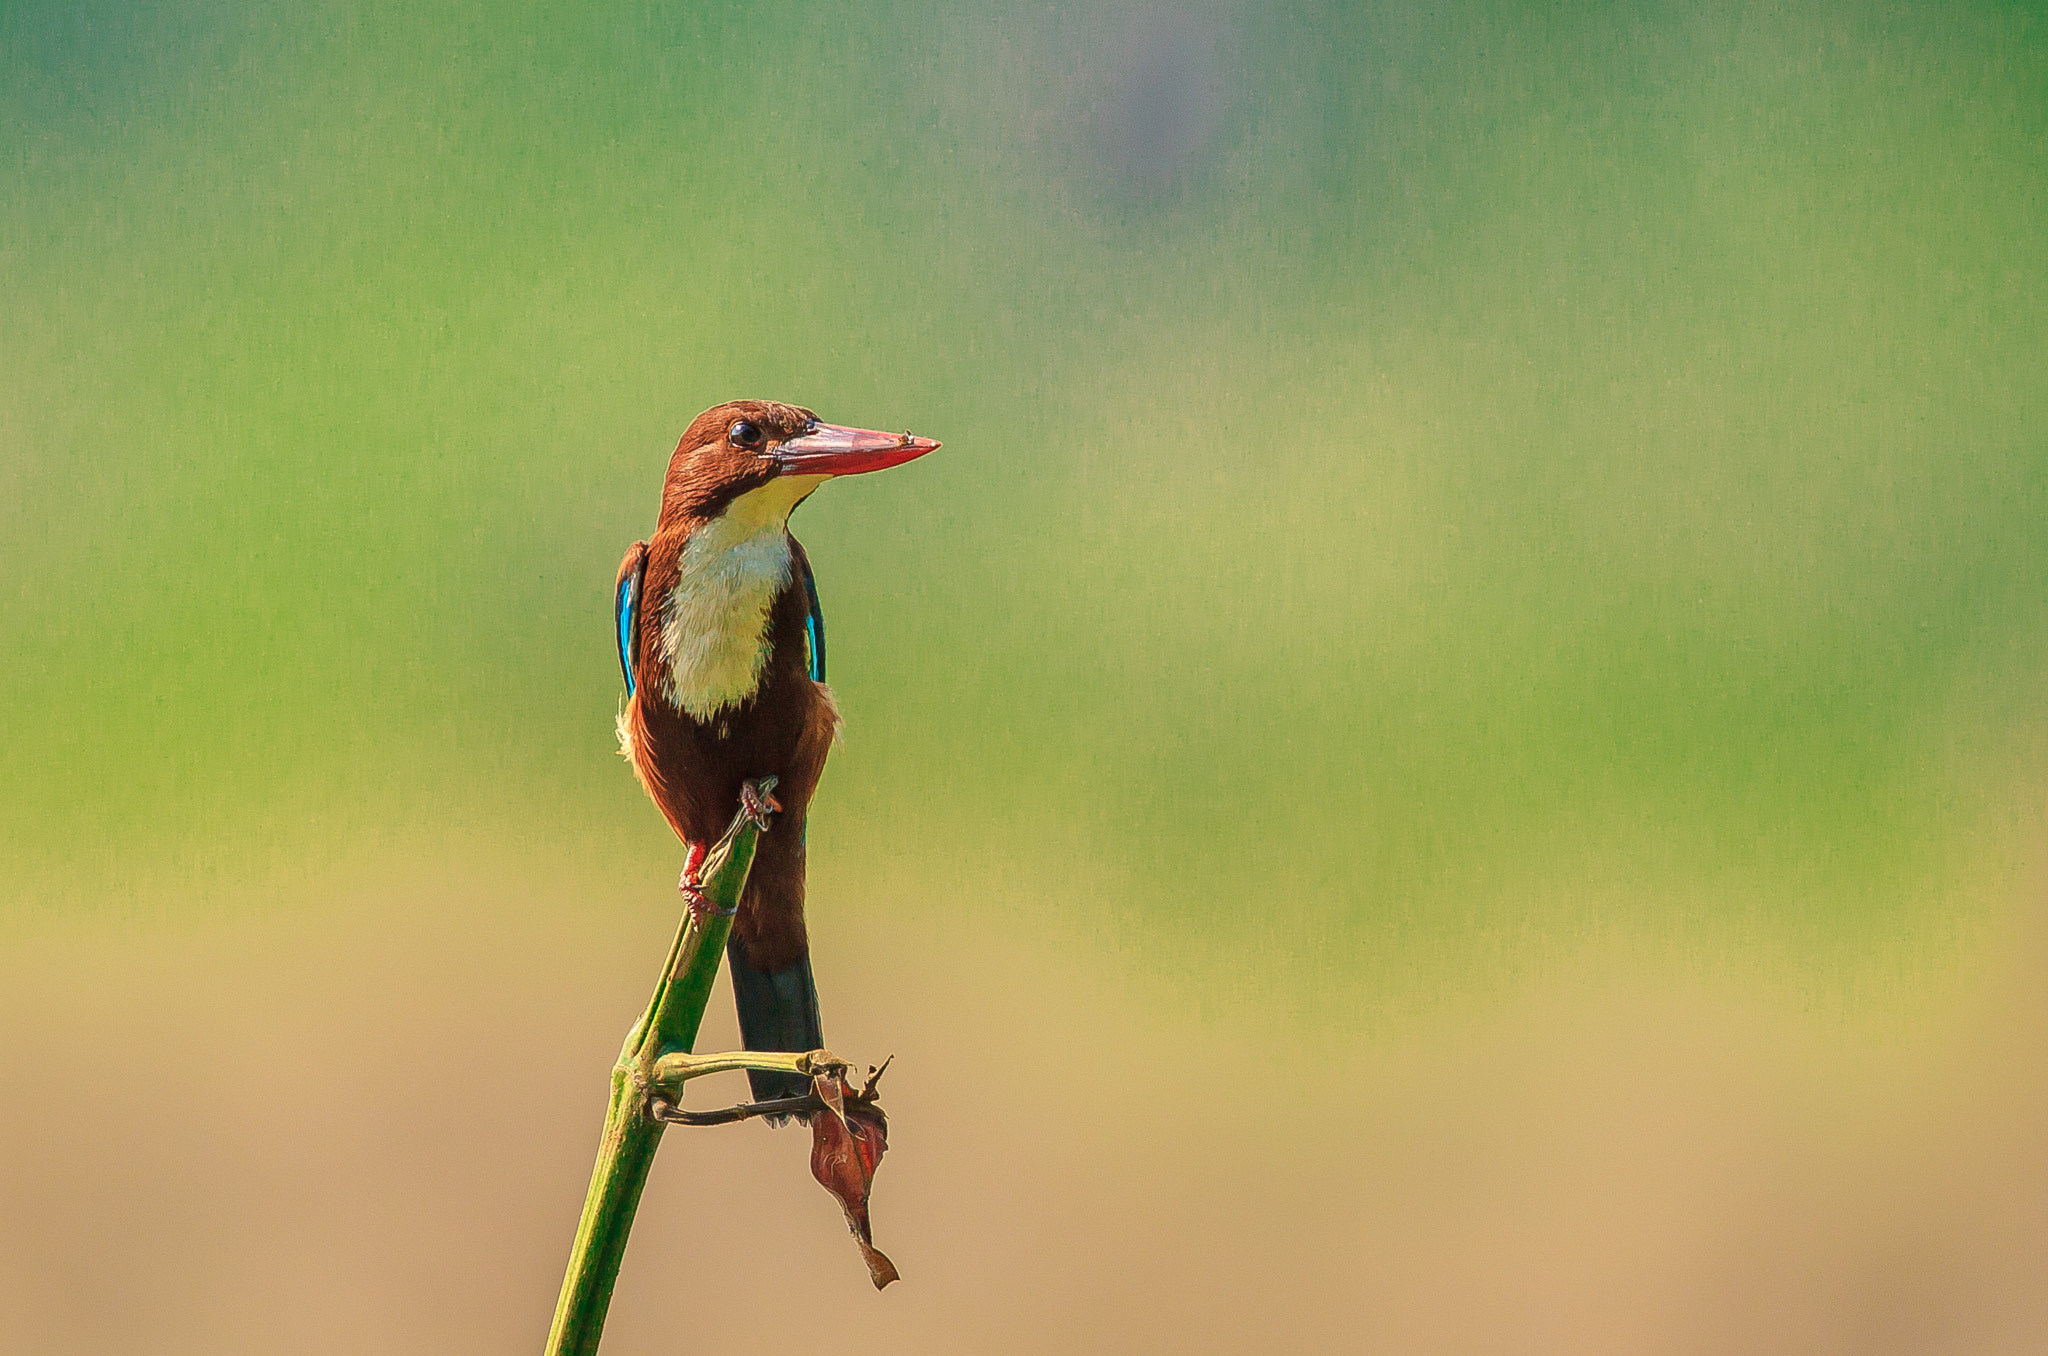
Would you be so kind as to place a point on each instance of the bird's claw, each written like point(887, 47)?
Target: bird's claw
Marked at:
point(756, 804)
point(698, 902)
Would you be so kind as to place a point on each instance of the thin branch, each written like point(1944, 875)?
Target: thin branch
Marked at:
point(807, 1105)
point(671, 1071)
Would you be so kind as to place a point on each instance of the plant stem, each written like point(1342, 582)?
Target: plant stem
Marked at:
point(672, 1071)
point(625, 1152)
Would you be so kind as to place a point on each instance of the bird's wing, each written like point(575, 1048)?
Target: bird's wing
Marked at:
point(632, 571)
point(814, 623)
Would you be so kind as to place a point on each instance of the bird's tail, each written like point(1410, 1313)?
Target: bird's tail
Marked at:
point(778, 1011)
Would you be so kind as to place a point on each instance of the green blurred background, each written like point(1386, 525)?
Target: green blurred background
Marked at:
point(1446, 516)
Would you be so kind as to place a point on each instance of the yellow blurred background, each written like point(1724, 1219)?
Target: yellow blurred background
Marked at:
point(1446, 760)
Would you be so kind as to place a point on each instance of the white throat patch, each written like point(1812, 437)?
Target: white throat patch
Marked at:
point(714, 623)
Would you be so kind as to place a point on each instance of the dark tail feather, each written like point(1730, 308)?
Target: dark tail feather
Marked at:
point(778, 1011)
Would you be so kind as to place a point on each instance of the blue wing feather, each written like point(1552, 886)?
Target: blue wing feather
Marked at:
point(814, 624)
point(627, 610)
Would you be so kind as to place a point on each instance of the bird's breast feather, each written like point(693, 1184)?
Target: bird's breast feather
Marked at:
point(714, 622)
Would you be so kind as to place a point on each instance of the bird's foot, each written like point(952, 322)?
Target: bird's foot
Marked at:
point(756, 804)
point(691, 886)
point(698, 902)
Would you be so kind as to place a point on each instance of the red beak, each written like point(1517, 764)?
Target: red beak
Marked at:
point(829, 450)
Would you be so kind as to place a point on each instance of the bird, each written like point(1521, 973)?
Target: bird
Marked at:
point(722, 647)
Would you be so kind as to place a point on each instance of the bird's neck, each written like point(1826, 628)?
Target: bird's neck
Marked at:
point(714, 621)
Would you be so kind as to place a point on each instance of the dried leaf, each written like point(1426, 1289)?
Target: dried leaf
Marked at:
point(831, 1089)
point(845, 1151)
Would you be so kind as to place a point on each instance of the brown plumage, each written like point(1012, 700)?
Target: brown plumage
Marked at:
point(693, 769)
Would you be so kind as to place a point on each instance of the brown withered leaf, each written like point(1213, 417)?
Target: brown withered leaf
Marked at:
point(845, 1151)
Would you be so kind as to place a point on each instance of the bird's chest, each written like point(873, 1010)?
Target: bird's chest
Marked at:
point(714, 623)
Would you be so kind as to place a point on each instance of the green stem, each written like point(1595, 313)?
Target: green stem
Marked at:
point(625, 1152)
point(672, 1071)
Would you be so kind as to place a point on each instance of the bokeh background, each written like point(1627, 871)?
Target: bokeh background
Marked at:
point(1448, 760)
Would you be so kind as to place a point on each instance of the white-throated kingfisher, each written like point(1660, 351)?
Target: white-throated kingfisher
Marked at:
point(722, 643)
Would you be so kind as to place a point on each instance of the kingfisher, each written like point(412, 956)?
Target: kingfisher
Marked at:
point(722, 645)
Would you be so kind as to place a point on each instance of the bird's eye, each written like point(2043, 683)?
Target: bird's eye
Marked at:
point(745, 434)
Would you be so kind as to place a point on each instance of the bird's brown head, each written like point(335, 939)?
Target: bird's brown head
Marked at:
point(732, 450)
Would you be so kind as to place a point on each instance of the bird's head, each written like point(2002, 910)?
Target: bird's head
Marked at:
point(763, 457)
